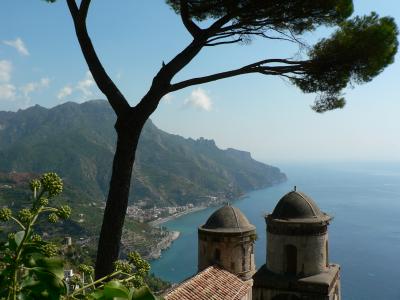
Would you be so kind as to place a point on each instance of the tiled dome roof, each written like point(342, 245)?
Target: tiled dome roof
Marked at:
point(228, 218)
point(298, 206)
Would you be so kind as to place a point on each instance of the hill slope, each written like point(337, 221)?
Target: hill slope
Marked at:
point(78, 141)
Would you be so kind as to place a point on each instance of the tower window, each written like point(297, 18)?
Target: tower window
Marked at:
point(243, 259)
point(217, 255)
point(291, 259)
point(327, 253)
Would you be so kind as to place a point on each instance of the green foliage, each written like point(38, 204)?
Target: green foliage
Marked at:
point(357, 52)
point(295, 15)
point(31, 269)
point(5, 214)
point(155, 283)
point(85, 269)
point(52, 184)
point(126, 282)
point(28, 268)
point(169, 169)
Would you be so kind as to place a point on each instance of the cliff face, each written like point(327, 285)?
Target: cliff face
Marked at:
point(78, 141)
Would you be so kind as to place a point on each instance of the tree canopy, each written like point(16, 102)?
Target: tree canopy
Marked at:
point(358, 50)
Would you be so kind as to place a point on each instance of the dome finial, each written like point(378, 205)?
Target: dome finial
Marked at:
point(294, 188)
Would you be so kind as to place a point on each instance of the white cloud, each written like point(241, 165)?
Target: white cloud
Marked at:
point(44, 82)
point(167, 98)
point(86, 84)
point(7, 91)
point(5, 70)
point(199, 99)
point(19, 45)
point(64, 92)
point(30, 87)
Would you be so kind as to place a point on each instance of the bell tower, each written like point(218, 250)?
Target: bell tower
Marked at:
point(297, 263)
point(227, 240)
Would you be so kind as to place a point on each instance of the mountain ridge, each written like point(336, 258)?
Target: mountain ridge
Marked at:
point(78, 142)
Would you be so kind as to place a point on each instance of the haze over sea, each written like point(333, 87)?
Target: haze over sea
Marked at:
point(364, 236)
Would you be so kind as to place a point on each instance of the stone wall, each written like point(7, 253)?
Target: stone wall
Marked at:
point(234, 253)
point(311, 253)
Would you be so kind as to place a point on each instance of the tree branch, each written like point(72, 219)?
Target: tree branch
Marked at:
point(84, 8)
point(187, 21)
point(258, 67)
point(73, 8)
point(161, 82)
point(100, 76)
point(224, 43)
point(217, 25)
point(209, 78)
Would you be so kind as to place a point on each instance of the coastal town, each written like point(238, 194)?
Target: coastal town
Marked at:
point(157, 215)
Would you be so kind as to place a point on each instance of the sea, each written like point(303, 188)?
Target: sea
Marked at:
point(364, 236)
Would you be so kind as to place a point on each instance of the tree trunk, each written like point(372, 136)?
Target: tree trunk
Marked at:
point(117, 200)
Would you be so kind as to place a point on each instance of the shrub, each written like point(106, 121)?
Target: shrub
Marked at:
point(31, 269)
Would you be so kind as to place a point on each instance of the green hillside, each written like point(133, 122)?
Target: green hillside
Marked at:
point(77, 141)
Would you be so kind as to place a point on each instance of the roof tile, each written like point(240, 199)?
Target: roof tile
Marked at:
point(212, 283)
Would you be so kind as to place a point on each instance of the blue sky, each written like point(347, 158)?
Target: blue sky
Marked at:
point(41, 63)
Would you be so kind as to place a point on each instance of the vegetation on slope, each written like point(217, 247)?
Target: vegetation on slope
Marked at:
point(78, 141)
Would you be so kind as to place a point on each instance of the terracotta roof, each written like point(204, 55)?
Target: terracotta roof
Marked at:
point(212, 283)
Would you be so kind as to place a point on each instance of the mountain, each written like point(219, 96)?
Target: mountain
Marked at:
point(78, 140)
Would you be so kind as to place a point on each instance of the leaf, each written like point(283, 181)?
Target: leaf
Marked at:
point(18, 237)
point(115, 289)
point(47, 285)
point(48, 278)
point(53, 265)
point(31, 257)
point(141, 294)
point(14, 242)
point(97, 295)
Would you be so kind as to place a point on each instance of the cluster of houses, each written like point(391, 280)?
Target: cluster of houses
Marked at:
point(150, 214)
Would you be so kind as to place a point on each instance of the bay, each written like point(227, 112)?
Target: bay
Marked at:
point(364, 236)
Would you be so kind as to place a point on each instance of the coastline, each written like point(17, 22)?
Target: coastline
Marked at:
point(175, 216)
point(167, 241)
point(164, 244)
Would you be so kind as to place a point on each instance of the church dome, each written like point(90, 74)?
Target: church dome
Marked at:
point(298, 206)
point(228, 218)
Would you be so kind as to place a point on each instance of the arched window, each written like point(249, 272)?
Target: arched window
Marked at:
point(327, 253)
point(291, 259)
point(243, 259)
point(217, 255)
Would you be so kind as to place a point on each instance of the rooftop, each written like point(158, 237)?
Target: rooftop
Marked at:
point(228, 219)
point(211, 283)
point(298, 206)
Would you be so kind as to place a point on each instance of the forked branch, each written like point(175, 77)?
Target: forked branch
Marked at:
point(100, 76)
point(187, 21)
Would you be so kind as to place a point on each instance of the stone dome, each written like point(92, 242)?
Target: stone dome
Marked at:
point(228, 219)
point(298, 206)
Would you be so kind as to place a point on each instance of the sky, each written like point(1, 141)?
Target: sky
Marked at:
point(41, 63)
